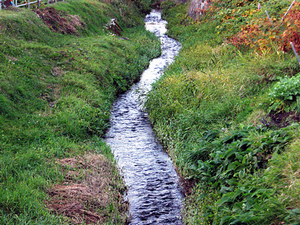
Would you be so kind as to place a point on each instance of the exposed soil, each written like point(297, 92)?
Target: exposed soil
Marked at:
point(60, 22)
point(283, 119)
point(91, 192)
point(188, 185)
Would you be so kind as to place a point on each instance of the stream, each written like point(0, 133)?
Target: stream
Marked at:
point(154, 193)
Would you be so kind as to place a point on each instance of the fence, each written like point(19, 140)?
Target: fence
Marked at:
point(27, 3)
point(291, 43)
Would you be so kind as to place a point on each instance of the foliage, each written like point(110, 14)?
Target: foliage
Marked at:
point(260, 33)
point(246, 25)
point(234, 155)
point(144, 5)
point(285, 93)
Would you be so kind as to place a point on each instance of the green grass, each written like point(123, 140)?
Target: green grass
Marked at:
point(210, 110)
point(56, 93)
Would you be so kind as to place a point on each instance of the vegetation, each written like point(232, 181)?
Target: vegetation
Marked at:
point(227, 111)
point(58, 79)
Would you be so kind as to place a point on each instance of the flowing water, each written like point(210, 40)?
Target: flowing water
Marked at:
point(154, 193)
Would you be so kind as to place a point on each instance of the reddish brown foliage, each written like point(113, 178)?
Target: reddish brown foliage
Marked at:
point(292, 32)
point(260, 34)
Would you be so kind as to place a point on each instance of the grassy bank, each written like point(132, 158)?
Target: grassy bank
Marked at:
point(227, 112)
point(57, 84)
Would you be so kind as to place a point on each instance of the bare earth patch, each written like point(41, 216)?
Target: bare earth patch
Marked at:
point(284, 119)
point(92, 191)
point(59, 22)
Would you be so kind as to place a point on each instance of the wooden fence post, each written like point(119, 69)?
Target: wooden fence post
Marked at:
point(28, 4)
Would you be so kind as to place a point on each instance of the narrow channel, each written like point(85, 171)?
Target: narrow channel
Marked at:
point(154, 193)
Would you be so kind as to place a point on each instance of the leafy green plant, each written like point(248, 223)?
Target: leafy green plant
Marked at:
point(285, 93)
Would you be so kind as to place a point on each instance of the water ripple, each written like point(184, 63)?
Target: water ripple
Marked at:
point(154, 193)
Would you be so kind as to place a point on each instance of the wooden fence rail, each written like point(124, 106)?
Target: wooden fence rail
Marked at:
point(14, 3)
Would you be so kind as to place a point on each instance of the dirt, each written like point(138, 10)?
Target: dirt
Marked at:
point(60, 22)
point(89, 189)
point(188, 185)
point(283, 119)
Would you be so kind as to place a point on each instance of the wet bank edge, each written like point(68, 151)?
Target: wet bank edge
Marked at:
point(154, 193)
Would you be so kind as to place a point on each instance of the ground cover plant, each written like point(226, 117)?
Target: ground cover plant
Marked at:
point(60, 71)
point(227, 111)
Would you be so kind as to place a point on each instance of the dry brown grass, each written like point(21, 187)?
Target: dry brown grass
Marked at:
point(89, 190)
